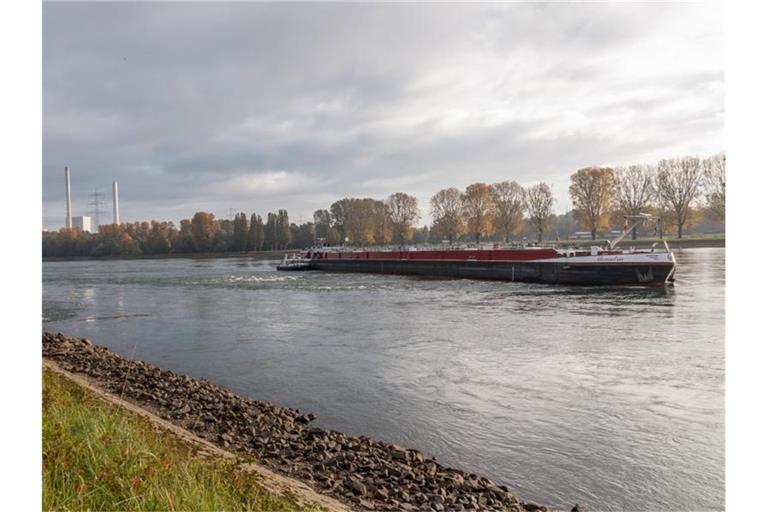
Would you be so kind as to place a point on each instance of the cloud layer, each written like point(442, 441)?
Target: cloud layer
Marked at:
point(263, 106)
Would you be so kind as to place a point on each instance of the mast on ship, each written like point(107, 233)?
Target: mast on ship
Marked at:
point(638, 219)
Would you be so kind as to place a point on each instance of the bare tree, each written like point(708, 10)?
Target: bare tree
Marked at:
point(508, 207)
point(477, 203)
point(714, 179)
point(446, 210)
point(592, 195)
point(403, 214)
point(538, 204)
point(634, 190)
point(678, 184)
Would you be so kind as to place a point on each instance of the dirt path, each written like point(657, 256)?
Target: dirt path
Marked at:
point(271, 481)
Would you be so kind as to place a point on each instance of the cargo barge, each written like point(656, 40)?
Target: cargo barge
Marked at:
point(572, 266)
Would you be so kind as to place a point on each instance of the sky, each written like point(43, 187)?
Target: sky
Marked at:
point(254, 107)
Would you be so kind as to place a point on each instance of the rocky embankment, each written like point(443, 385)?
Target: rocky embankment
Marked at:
point(367, 474)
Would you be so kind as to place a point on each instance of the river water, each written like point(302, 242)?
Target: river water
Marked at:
point(611, 398)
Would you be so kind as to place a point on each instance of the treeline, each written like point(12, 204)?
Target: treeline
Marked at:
point(677, 191)
point(203, 233)
point(680, 193)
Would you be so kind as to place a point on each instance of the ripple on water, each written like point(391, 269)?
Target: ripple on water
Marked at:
point(607, 397)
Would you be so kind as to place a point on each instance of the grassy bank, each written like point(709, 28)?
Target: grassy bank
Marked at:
point(99, 456)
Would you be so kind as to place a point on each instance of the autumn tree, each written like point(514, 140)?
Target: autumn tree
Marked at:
point(508, 208)
point(114, 240)
point(255, 233)
point(538, 203)
point(634, 190)
point(403, 213)
point(592, 191)
point(361, 221)
point(678, 184)
point(202, 229)
point(714, 181)
point(161, 238)
point(447, 214)
point(477, 205)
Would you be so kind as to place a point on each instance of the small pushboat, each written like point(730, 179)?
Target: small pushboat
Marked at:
point(294, 262)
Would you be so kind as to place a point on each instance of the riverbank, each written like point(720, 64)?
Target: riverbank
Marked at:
point(674, 243)
point(99, 453)
point(362, 472)
point(264, 255)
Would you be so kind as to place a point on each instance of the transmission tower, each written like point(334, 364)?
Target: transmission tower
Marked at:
point(96, 204)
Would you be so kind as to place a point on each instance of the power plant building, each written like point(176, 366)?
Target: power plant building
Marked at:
point(83, 222)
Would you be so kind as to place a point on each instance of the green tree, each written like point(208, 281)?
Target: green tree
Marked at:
point(333, 237)
point(303, 236)
point(240, 233)
point(323, 221)
point(340, 214)
point(256, 233)
point(270, 233)
point(284, 235)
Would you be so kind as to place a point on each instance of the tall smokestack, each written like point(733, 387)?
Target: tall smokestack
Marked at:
point(115, 204)
point(68, 219)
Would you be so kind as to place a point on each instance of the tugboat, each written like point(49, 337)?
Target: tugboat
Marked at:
point(294, 262)
point(572, 266)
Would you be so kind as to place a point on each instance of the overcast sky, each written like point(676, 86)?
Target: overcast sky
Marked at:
point(256, 107)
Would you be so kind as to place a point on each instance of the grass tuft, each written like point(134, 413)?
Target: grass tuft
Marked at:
point(99, 456)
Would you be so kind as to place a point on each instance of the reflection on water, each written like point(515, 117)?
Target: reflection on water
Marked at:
point(611, 397)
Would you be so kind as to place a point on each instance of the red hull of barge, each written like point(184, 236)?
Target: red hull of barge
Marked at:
point(539, 265)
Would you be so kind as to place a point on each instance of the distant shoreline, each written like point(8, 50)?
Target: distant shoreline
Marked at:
point(674, 243)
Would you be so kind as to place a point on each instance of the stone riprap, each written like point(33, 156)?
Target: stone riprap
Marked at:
point(366, 474)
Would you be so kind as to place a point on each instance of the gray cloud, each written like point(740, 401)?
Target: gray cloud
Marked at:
point(264, 106)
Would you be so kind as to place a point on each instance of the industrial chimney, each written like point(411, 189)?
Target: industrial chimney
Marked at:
point(115, 204)
point(68, 219)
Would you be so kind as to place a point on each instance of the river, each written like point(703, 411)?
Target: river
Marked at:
point(611, 398)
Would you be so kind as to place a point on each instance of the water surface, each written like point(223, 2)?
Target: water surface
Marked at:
point(607, 397)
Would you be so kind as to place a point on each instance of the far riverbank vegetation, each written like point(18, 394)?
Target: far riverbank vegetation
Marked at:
point(685, 196)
